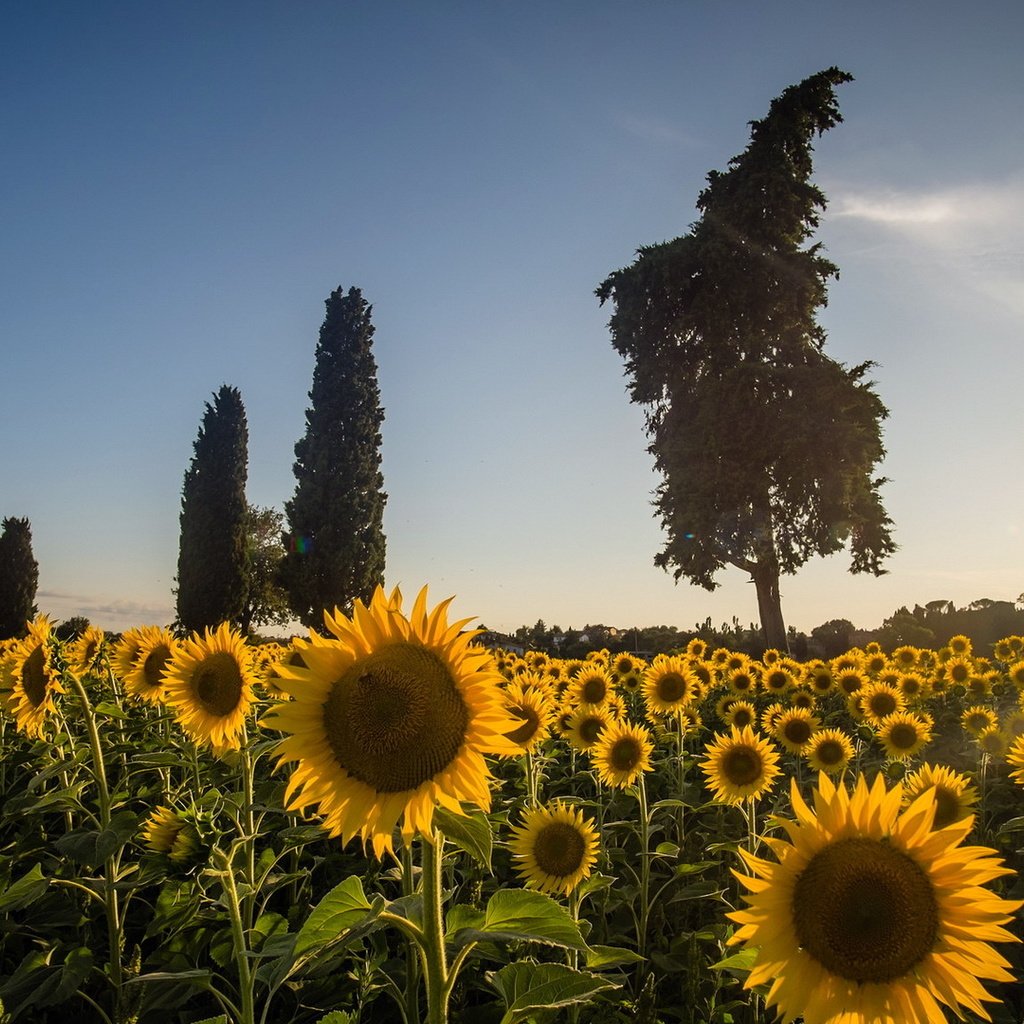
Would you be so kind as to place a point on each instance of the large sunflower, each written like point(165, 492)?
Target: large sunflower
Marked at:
point(208, 682)
point(389, 719)
point(669, 685)
point(555, 847)
point(871, 915)
point(622, 754)
point(740, 766)
point(32, 678)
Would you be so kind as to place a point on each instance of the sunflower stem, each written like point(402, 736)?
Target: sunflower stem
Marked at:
point(248, 824)
point(245, 987)
point(412, 964)
point(645, 881)
point(435, 960)
point(110, 864)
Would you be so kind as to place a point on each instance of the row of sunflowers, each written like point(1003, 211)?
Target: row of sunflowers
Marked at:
point(384, 822)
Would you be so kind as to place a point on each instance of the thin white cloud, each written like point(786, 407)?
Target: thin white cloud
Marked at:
point(113, 614)
point(970, 231)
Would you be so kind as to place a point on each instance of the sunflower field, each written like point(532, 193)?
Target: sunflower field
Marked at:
point(385, 823)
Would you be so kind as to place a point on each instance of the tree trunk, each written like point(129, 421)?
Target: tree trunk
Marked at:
point(769, 604)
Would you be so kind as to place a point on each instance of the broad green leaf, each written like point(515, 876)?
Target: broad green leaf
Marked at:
point(695, 869)
point(92, 847)
point(337, 1017)
point(24, 891)
point(462, 916)
point(471, 833)
point(743, 961)
point(111, 710)
point(611, 956)
point(344, 907)
point(527, 988)
point(667, 850)
point(522, 915)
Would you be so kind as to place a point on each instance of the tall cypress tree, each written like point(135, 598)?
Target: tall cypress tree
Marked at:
point(212, 569)
point(767, 447)
point(335, 539)
point(19, 577)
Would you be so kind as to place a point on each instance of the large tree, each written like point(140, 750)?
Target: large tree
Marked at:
point(767, 448)
point(212, 557)
point(19, 577)
point(266, 603)
point(335, 539)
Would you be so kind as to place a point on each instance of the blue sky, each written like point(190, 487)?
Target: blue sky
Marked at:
point(184, 184)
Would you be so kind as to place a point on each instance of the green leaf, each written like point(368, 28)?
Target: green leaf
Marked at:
point(611, 956)
point(471, 833)
point(337, 1017)
point(695, 869)
point(522, 915)
point(344, 907)
point(221, 1018)
point(25, 891)
point(92, 847)
point(527, 988)
point(111, 710)
point(741, 962)
point(666, 850)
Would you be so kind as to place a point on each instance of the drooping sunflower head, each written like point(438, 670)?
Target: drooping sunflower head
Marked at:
point(390, 717)
point(668, 685)
point(32, 678)
point(740, 766)
point(533, 710)
point(871, 915)
point(954, 795)
point(208, 682)
point(622, 754)
point(86, 655)
point(829, 750)
point(145, 679)
point(555, 848)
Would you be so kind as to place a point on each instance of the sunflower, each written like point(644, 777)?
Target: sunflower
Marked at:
point(778, 680)
point(742, 680)
point(959, 670)
point(390, 718)
point(145, 679)
point(592, 686)
point(126, 650)
point(532, 710)
point(696, 648)
point(740, 766)
point(871, 915)
point(960, 645)
point(584, 726)
point(172, 834)
point(992, 741)
point(877, 700)
point(912, 685)
point(622, 754)
point(829, 750)
point(85, 654)
point(1015, 673)
point(555, 848)
point(208, 682)
point(976, 719)
point(802, 698)
point(33, 678)
point(954, 795)
point(818, 677)
point(1015, 759)
point(905, 657)
point(741, 713)
point(669, 685)
point(795, 728)
point(850, 680)
point(903, 734)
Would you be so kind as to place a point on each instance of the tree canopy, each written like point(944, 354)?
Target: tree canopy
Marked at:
point(766, 447)
point(212, 554)
point(19, 577)
point(335, 540)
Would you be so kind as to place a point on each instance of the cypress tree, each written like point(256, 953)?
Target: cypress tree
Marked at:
point(19, 577)
point(212, 557)
point(335, 541)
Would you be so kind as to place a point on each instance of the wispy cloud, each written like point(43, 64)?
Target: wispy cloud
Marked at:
point(656, 129)
point(109, 613)
point(972, 230)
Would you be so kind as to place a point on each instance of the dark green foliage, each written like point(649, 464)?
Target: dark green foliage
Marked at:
point(766, 446)
point(266, 603)
point(71, 629)
point(335, 541)
point(212, 558)
point(19, 577)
